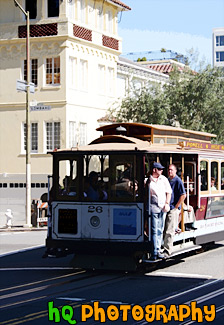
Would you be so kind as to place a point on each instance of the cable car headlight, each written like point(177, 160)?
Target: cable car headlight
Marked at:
point(95, 221)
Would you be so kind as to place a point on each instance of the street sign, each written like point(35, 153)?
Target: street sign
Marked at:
point(40, 107)
point(21, 85)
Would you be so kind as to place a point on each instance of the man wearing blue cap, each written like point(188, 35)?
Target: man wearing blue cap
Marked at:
point(159, 200)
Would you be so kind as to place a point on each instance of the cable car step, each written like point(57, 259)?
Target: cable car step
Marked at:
point(174, 254)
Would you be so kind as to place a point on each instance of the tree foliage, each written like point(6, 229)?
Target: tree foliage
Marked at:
point(195, 101)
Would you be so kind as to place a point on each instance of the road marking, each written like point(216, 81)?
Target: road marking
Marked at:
point(21, 250)
point(72, 299)
point(30, 317)
point(22, 302)
point(41, 281)
point(202, 276)
point(110, 302)
point(24, 292)
point(190, 290)
point(208, 296)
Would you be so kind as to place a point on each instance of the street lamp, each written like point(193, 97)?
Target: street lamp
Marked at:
point(28, 164)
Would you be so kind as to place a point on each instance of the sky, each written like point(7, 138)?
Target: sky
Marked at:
point(177, 25)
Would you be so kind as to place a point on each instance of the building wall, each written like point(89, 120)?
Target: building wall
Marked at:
point(218, 47)
point(69, 100)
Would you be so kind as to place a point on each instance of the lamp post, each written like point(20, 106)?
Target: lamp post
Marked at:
point(28, 164)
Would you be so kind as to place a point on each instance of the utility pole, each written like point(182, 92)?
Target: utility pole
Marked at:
point(28, 164)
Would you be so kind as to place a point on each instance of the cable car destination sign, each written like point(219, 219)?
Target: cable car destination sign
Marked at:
point(202, 145)
point(40, 107)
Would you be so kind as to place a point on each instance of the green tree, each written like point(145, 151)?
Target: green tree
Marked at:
point(197, 100)
point(146, 106)
point(194, 100)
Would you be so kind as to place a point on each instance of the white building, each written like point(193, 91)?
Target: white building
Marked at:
point(74, 52)
point(77, 72)
point(218, 47)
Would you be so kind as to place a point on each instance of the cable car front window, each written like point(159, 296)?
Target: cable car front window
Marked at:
point(68, 182)
point(95, 177)
point(124, 185)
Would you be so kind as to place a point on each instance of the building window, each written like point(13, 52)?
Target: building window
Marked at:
point(121, 86)
point(100, 17)
point(82, 134)
point(109, 22)
point(110, 81)
point(219, 56)
point(71, 9)
point(33, 137)
point(53, 71)
point(53, 134)
point(31, 6)
point(73, 72)
point(72, 134)
point(33, 70)
point(220, 40)
point(53, 8)
point(91, 14)
point(102, 78)
point(83, 75)
point(81, 10)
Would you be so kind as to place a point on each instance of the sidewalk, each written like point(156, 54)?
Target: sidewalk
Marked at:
point(21, 228)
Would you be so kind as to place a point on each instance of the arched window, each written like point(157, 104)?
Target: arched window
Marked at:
point(214, 176)
point(204, 175)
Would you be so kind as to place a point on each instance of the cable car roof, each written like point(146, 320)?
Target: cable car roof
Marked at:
point(145, 129)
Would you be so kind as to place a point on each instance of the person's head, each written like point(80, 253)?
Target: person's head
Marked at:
point(212, 181)
point(172, 171)
point(93, 178)
point(157, 169)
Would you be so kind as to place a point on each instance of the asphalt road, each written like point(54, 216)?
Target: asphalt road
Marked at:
point(32, 286)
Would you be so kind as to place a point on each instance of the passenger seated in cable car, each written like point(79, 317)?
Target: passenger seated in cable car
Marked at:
point(94, 189)
point(213, 181)
point(222, 184)
point(66, 185)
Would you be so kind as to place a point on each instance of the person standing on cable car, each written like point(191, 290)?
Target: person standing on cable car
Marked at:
point(178, 196)
point(159, 199)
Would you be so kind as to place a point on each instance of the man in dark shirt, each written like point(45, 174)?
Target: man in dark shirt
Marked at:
point(177, 197)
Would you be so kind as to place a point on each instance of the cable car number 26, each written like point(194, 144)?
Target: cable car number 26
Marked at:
point(92, 208)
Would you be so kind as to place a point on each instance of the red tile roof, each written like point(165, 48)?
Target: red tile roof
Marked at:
point(118, 2)
point(164, 68)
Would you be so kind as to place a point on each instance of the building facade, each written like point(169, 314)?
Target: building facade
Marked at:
point(74, 49)
point(218, 47)
point(77, 75)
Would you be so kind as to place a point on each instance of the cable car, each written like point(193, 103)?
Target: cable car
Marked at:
point(98, 200)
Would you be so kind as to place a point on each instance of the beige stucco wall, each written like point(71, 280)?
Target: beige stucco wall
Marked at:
point(67, 104)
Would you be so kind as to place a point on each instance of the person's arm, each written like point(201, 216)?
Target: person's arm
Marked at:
point(181, 200)
point(166, 207)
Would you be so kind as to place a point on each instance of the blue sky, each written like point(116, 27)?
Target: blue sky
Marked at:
point(177, 25)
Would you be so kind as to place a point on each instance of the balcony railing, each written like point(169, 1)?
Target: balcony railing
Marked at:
point(39, 30)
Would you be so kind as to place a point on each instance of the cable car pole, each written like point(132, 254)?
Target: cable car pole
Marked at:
point(28, 164)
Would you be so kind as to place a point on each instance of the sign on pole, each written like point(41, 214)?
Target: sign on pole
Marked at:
point(21, 85)
point(40, 107)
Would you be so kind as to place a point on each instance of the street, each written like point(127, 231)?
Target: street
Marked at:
point(32, 288)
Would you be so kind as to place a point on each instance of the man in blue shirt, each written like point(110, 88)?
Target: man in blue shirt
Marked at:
point(177, 197)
